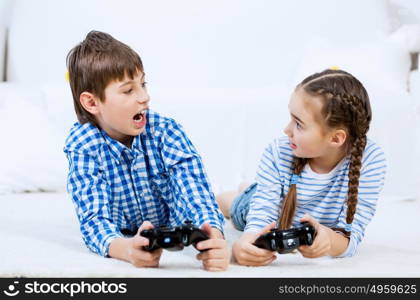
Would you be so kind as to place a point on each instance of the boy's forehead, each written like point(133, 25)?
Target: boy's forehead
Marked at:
point(127, 79)
point(118, 83)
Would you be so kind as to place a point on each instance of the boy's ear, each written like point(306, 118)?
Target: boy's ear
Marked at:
point(339, 137)
point(89, 102)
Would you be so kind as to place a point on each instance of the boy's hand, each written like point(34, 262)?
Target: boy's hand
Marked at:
point(217, 255)
point(135, 253)
point(322, 243)
point(247, 254)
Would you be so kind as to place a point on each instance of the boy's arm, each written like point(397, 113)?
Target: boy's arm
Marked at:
point(189, 182)
point(90, 194)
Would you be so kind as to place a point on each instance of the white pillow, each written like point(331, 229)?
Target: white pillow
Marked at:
point(408, 36)
point(2, 51)
point(31, 152)
point(381, 62)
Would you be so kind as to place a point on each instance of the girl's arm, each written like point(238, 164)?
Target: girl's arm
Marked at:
point(371, 182)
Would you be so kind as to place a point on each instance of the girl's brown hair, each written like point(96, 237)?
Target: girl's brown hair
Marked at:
point(345, 105)
point(94, 63)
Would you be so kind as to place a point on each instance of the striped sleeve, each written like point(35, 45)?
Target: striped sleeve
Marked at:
point(90, 194)
point(265, 203)
point(371, 182)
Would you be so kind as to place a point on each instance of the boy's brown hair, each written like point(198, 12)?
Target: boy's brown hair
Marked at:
point(98, 60)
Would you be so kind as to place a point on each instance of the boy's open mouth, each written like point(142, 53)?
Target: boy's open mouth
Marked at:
point(140, 119)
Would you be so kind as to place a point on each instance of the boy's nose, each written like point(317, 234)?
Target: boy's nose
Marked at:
point(143, 98)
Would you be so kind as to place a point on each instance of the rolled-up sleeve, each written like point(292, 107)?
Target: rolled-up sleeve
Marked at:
point(90, 194)
point(193, 196)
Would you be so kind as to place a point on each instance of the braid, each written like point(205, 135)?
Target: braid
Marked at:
point(354, 174)
point(289, 204)
point(356, 152)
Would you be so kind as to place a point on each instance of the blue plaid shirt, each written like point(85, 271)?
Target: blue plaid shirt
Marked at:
point(161, 179)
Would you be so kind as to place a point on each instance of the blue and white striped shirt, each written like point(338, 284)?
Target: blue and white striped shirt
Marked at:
point(160, 179)
point(323, 196)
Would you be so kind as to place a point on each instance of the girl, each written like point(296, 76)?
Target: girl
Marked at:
point(325, 172)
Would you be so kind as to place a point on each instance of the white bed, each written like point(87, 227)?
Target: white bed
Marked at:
point(40, 238)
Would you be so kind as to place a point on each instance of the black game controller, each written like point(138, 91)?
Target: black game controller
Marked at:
point(285, 241)
point(175, 238)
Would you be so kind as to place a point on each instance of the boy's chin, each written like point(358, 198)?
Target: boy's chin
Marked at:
point(136, 132)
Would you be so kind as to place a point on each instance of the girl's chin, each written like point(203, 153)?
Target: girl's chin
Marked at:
point(298, 154)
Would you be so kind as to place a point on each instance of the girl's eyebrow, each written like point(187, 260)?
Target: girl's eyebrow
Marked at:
point(297, 119)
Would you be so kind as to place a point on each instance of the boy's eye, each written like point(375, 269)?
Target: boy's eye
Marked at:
point(128, 91)
point(298, 126)
point(143, 84)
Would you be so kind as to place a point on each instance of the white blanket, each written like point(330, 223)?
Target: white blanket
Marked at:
point(40, 238)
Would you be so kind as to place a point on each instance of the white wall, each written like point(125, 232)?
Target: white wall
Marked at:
point(238, 43)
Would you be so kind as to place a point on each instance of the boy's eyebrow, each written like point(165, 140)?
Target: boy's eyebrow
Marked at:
point(131, 81)
point(297, 119)
point(127, 82)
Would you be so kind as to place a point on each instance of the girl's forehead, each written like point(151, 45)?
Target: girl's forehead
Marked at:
point(305, 106)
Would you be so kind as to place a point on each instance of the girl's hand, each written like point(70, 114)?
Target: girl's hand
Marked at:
point(247, 254)
point(322, 244)
point(216, 256)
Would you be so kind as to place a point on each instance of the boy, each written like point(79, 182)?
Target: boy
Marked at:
point(131, 169)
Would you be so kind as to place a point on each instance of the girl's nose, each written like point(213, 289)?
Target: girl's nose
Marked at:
point(287, 130)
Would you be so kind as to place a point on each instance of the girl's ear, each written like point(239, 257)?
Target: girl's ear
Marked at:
point(338, 138)
point(89, 102)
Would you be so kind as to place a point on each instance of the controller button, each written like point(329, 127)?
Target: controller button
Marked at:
point(185, 239)
point(291, 243)
point(309, 238)
point(273, 245)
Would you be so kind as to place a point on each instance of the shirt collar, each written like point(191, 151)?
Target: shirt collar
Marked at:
point(116, 148)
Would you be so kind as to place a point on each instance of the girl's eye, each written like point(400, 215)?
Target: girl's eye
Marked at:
point(128, 92)
point(143, 85)
point(298, 126)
